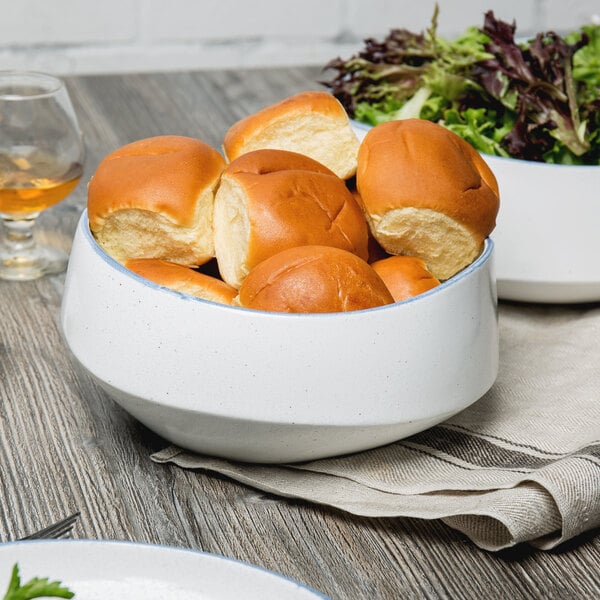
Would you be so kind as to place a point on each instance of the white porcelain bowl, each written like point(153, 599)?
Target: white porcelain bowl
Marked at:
point(547, 235)
point(272, 387)
point(548, 231)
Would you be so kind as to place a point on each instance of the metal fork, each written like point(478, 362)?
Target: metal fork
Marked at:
point(60, 529)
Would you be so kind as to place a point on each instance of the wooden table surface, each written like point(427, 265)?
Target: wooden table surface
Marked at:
point(65, 446)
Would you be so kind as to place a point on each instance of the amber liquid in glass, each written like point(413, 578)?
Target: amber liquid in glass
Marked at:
point(31, 182)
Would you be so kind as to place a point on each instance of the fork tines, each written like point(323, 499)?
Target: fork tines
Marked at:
point(60, 529)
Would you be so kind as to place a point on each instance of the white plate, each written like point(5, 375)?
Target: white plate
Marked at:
point(98, 570)
point(548, 230)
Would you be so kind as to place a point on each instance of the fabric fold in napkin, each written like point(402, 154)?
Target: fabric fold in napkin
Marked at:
point(520, 465)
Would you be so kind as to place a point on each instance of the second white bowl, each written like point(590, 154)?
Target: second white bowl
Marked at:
point(547, 234)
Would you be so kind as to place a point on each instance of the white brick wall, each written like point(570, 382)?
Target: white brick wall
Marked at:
point(91, 36)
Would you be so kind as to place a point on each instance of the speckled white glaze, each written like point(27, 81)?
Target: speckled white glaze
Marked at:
point(271, 387)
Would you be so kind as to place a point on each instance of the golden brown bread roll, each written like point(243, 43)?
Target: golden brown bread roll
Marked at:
point(310, 123)
point(405, 276)
point(426, 193)
point(182, 279)
point(270, 200)
point(153, 198)
point(375, 251)
point(313, 279)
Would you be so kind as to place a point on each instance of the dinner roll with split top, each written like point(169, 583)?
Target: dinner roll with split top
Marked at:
point(310, 123)
point(313, 279)
point(405, 276)
point(270, 200)
point(154, 198)
point(426, 193)
point(182, 279)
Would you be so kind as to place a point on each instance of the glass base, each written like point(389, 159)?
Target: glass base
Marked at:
point(38, 261)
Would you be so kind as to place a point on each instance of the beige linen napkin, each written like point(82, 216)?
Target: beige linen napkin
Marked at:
point(520, 465)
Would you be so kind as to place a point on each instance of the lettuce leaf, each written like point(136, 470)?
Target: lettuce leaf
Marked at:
point(537, 100)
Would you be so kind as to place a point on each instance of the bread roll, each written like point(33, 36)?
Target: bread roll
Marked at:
point(154, 199)
point(313, 279)
point(182, 279)
point(270, 200)
point(375, 251)
point(310, 123)
point(405, 276)
point(427, 193)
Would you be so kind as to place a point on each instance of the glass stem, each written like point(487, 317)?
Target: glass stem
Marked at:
point(19, 234)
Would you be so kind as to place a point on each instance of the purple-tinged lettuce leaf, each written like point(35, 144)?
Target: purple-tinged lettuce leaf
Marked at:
point(540, 77)
point(538, 100)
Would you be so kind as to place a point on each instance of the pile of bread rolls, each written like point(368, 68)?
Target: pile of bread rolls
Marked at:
point(295, 215)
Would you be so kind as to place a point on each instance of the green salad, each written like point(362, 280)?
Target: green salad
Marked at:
point(34, 588)
point(537, 100)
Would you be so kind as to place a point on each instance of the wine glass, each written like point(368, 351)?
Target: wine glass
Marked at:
point(41, 162)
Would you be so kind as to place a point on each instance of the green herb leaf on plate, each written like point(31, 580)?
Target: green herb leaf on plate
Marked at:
point(34, 588)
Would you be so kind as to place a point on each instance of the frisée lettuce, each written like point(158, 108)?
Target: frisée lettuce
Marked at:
point(537, 100)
